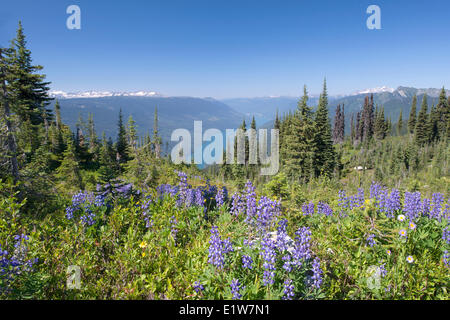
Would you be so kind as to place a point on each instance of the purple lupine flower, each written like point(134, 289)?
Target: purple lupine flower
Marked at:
point(288, 289)
point(324, 208)
point(375, 191)
point(308, 208)
point(446, 212)
point(221, 197)
point(247, 262)
point(446, 258)
point(218, 248)
point(344, 202)
point(393, 203)
point(199, 198)
point(282, 237)
point(198, 287)
point(99, 200)
point(302, 246)
point(383, 270)
point(269, 255)
point(235, 289)
point(173, 228)
point(358, 199)
point(250, 198)
point(412, 205)
point(237, 204)
point(371, 240)
point(267, 210)
point(437, 199)
point(317, 273)
point(426, 204)
point(166, 189)
point(287, 262)
point(383, 201)
point(88, 218)
point(446, 235)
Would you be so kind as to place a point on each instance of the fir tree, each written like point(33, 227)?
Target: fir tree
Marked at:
point(400, 123)
point(412, 115)
point(422, 131)
point(121, 146)
point(157, 141)
point(324, 154)
point(443, 116)
point(132, 133)
point(27, 87)
point(69, 170)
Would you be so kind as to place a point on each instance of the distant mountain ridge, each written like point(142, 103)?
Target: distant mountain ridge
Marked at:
point(391, 100)
point(101, 94)
point(173, 113)
point(180, 112)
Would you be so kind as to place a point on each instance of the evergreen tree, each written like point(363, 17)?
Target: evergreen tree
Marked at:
point(276, 124)
point(27, 87)
point(412, 115)
point(433, 124)
point(157, 141)
point(324, 154)
point(5, 113)
point(443, 116)
point(400, 123)
point(422, 131)
point(69, 170)
point(92, 134)
point(121, 144)
point(132, 133)
point(337, 119)
point(59, 147)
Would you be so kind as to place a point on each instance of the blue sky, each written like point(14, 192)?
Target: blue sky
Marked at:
point(229, 48)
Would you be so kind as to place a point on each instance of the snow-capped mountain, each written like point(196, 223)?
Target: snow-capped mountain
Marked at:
point(100, 94)
point(374, 90)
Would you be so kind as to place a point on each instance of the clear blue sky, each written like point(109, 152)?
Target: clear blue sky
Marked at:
point(231, 48)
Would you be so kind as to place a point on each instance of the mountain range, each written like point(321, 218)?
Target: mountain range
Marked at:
point(180, 112)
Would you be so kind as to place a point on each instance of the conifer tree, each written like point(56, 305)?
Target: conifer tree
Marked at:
point(433, 124)
point(400, 123)
point(132, 133)
point(157, 141)
point(27, 87)
point(92, 134)
point(121, 144)
point(5, 112)
point(324, 154)
point(69, 170)
point(422, 131)
point(443, 116)
point(412, 115)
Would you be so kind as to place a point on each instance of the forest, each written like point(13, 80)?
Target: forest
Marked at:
point(363, 215)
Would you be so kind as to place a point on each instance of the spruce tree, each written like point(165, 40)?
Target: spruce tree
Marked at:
point(422, 131)
point(443, 116)
point(69, 170)
point(157, 141)
point(27, 88)
point(121, 144)
point(400, 123)
point(132, 133)
point(324, 154)
point(412, 115)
